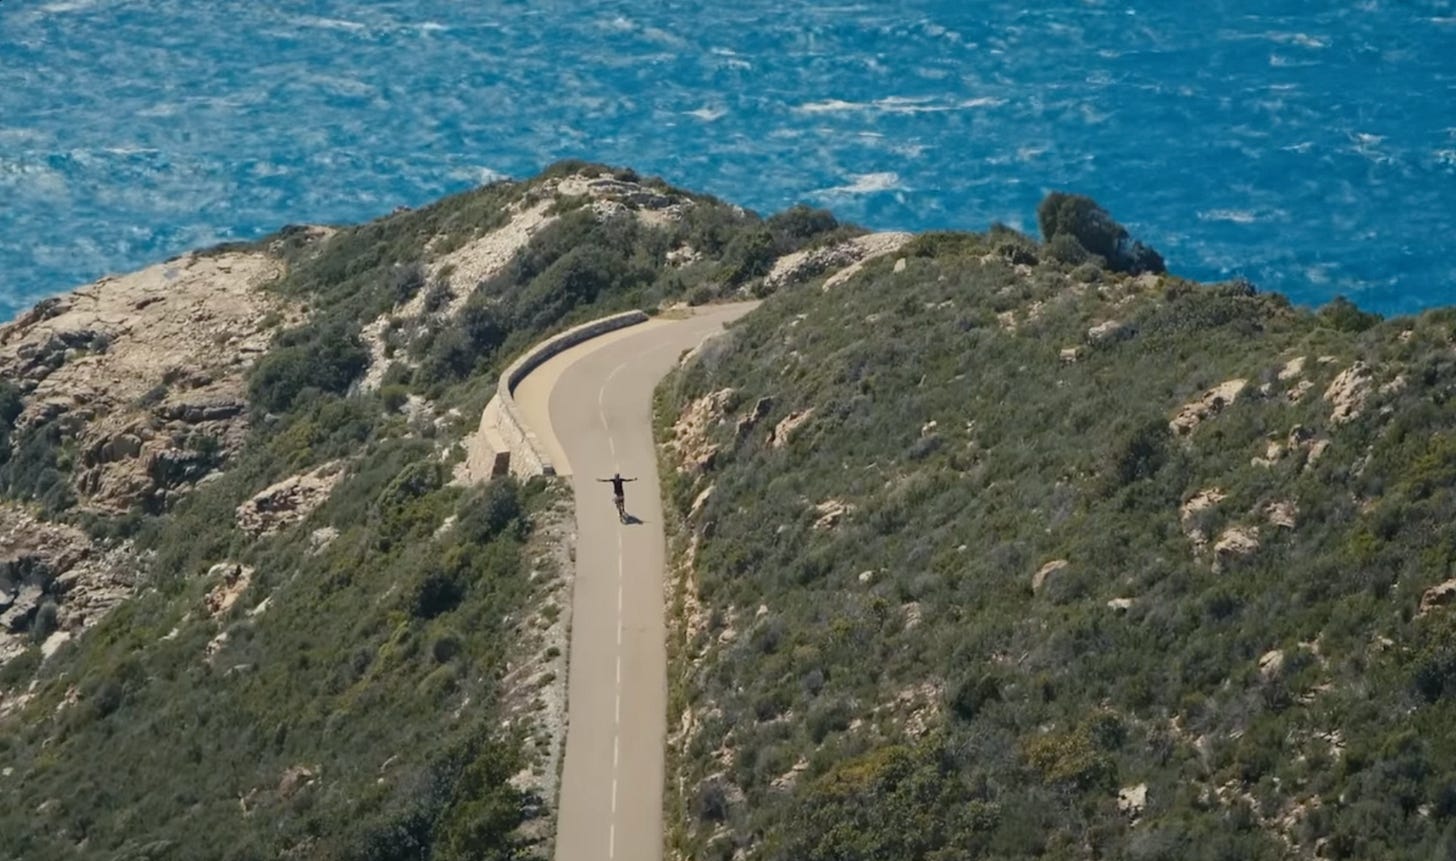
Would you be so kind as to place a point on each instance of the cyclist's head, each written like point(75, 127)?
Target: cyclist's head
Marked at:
point(616, 475)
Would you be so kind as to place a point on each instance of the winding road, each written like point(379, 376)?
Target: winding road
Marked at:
point(591, 407)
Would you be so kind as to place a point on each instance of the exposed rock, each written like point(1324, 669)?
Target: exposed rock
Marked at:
point(1273, 452)
point(802, 265)
point(789, 779)
point(23, 603)
point(43, 563)
point(1293, 368)
point(486, 256)
point(690, 433)
point(1236, 542)
point(700, 501)
point(1316, 451)
point(830, 512)
point(843, 260)
point(232, 580)
point(288, 501)
point(684, 255)
point(1070, 355)
point(321, 538)
point(1107, 331)
point(873, 246)
point(1348, 393)
point(1282, 513)
point(132, 368)
point(1212, 402)
point(1188, 513)
point(1039, 579)
point(1133, 800)
point(1297, 393)
point(1122, 605)
point(759, 412)
point(1440, 595)
point(786, 427)
point(1271, 663)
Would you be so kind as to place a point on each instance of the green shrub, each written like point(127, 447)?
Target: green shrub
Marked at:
point(325, 357)
point(394, 396)
point(1342, 315)
point(491, 511)
point(1080, 218)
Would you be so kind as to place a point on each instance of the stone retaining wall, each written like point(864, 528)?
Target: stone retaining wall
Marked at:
point(503, 430)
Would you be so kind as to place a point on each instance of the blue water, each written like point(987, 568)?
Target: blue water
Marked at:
point(1309, 147)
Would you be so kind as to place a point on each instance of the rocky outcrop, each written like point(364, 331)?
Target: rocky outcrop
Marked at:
point(144, 374)
point(1212, 402)
point(1133, 800)
point(690, 439)
point(1348, 393)
point(787, 426)
point(50, 564)
point(1282, 513)
point(1235, 543)
point(843, 260)
point(461, 270)
point(1440, 595)
point(230, 581)
point(1107, 332)
point(289, 501)
point(1190, 515)
point(830, 512)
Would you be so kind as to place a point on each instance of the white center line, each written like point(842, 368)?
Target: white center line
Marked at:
point(617, 707)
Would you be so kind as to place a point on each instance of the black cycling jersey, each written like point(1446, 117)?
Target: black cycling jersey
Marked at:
point(617, 486)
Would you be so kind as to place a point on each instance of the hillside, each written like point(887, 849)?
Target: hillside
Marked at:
point(991, 551)
point(984, 547)
point(250, 605)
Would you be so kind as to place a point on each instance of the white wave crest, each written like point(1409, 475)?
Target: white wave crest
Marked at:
point(897, 105)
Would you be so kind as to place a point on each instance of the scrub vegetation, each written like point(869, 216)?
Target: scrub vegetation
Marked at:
point(348, 702)
point(996, 551)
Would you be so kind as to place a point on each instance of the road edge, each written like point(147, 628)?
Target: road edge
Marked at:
point(504, 441)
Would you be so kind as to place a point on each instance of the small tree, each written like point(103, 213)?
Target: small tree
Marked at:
point(1082, 219)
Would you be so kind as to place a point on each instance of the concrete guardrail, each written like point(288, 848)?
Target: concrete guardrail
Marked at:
point(516, 446)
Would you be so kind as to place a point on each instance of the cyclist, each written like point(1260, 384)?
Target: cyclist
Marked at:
point(619, 493)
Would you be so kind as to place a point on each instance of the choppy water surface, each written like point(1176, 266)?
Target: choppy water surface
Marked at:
point(1311, 151)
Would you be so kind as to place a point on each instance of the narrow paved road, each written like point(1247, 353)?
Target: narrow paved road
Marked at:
point(592, 407)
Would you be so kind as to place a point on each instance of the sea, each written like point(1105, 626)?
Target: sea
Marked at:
point(1309, 147)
